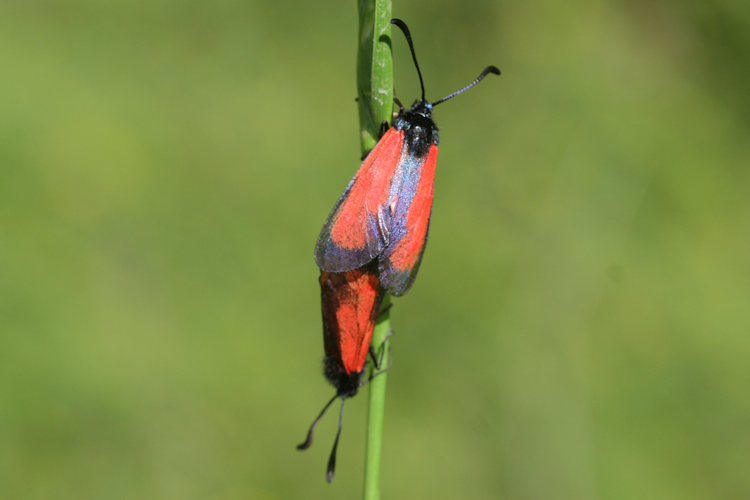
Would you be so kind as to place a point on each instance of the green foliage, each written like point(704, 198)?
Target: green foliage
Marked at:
point(579, 328)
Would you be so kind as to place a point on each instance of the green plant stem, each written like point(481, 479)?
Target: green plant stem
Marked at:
point(374, 70)
point(376, 408)
point(375, 97)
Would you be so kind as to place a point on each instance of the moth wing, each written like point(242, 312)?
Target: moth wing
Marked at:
point(357, 229)
point(399, 263)
point(350, 303)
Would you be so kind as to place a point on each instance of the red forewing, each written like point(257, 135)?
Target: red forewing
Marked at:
point(356, 231)
point(350, 303)
point(399, 263)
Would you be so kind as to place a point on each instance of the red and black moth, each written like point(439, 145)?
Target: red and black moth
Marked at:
point(374, 238)
point(384, 214)
point(350, 304)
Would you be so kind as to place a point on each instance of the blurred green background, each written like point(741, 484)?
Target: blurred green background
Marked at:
point(579, 329)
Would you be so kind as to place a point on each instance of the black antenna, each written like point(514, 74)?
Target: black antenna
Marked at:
point(309, 439)
point(332, 458)
point(487, 71)
point(407, 34)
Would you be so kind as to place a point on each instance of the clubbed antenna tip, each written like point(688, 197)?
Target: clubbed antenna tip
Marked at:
point(489, 69)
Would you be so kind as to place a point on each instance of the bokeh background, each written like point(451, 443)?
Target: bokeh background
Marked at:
point(579, 329)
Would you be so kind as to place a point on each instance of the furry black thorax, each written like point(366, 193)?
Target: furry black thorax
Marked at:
point(420, 130)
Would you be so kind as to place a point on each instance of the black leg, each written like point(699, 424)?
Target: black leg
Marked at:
point(383, 128)
point(378, 360)
point(400, 106)
point(385, 310)
point(376, 373)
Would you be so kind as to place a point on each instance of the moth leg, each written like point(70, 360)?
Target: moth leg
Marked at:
point(382, 370)
point(373, 356)
point(400, 106)
point(378, 360)
point(384, 126)
point(382, 312)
